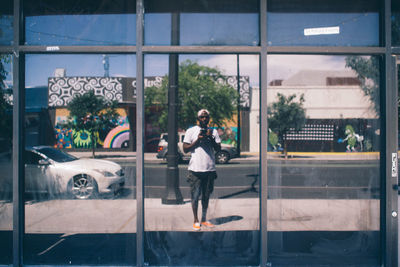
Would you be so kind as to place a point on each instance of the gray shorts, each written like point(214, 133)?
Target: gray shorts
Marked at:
point(201, 183)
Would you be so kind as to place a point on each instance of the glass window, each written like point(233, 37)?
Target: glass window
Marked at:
point(6, 22)
point(80, 187)
point(395, 23)
point(95, 23)
point(326, 23)
point(228, 22)
point(175, 189)
point(6, 198)
point(323, 158)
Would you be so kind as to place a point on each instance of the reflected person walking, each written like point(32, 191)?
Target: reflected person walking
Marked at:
point(203, 142)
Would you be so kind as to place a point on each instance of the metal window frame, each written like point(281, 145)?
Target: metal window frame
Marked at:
point(389, 229)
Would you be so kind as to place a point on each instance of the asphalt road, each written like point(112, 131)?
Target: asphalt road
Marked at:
point(286, 179)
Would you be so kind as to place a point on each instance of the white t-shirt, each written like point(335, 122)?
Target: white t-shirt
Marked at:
point(203, 156)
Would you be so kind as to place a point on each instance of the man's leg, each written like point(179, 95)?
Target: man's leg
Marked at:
point(207, 187)
point(195, 190)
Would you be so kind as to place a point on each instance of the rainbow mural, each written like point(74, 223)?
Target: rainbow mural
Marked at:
point(117, 137)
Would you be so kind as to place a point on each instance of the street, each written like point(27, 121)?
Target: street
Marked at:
point(286, 179)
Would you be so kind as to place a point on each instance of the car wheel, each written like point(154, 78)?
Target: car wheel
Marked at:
point(222, 157)
point(83, 186)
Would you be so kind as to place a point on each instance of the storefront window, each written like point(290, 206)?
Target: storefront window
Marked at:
point(6, 115)
point(324, 151)
point(324, 23)
point(230, 201)
point(395, 23)
point(228, 22)
point(6, 22)
point(80, 200)
point(99, 23)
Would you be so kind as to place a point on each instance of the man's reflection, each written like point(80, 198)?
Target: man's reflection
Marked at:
point(202, 142)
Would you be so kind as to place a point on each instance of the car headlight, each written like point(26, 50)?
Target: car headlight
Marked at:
point(106, 173)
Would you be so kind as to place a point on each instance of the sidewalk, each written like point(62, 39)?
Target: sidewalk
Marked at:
point(119, 215)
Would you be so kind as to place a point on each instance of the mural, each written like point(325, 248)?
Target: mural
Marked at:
point(352, 139)
point(63, 137)
point(117, 137)
point(228, 135)
point(63, 89)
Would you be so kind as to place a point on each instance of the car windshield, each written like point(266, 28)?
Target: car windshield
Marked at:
point(56, 155)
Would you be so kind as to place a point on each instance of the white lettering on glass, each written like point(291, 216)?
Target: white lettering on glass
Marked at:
point(322, 30)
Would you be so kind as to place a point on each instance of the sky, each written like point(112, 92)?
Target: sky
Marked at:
point(233, 29)
point(40, 67)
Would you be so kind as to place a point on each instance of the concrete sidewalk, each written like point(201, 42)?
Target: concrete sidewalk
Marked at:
point(119, 215)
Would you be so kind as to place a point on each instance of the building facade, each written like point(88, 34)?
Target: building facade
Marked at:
point(314, 117)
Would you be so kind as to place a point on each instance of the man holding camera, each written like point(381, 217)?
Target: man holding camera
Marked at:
point(202, 142)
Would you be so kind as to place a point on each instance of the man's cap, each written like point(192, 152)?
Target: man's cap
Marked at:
point(201, 111)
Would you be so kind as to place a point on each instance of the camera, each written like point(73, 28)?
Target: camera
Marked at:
point(203, 131)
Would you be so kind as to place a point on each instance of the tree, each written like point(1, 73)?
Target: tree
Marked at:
point(286, 114)
point(5, 106)
point(199, 87)
point(367, 69)
point(92, 113)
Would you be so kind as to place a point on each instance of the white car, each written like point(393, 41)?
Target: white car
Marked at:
point(53, 171)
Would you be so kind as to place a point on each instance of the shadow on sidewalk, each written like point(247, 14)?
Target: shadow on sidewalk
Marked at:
point(252, 187)
point(226, 219)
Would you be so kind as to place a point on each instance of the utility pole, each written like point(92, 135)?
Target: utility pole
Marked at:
point(106, 65)
point(173, 194)
point(239, 132)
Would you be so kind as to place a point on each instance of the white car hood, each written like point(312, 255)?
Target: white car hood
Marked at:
point(93, 164)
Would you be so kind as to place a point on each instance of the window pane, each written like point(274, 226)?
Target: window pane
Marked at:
point(205, 81)
point(6, 22)
point(6, 204)
point(395, 23)
point(228, 22)
point(80, 186)
point(324, 150)
point(326, 23)
point(93, 23)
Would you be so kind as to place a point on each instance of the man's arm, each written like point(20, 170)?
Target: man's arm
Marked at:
point(187, 147)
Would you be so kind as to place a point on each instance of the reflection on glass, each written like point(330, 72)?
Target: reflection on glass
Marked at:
point(77, 197)
point(323, 158)
point(6, 207)
point(332, 23)
point(6, 22)
point(202, 23)
point(395, 23)
point(95, 23)
point(172, 237)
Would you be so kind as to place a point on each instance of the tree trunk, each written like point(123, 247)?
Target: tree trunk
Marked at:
point(93, 144)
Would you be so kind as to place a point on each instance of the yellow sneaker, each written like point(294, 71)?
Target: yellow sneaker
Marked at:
point(207, 224)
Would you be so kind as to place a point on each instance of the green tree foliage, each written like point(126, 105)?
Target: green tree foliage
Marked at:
point(5, 106)
point(199, 87)
point(367, 69)
point(286, 114)
point(92, 113)
point(396, 29)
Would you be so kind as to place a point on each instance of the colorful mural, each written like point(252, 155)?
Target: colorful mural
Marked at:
point(63, 137)
point(228, 135)
point(117, 137)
